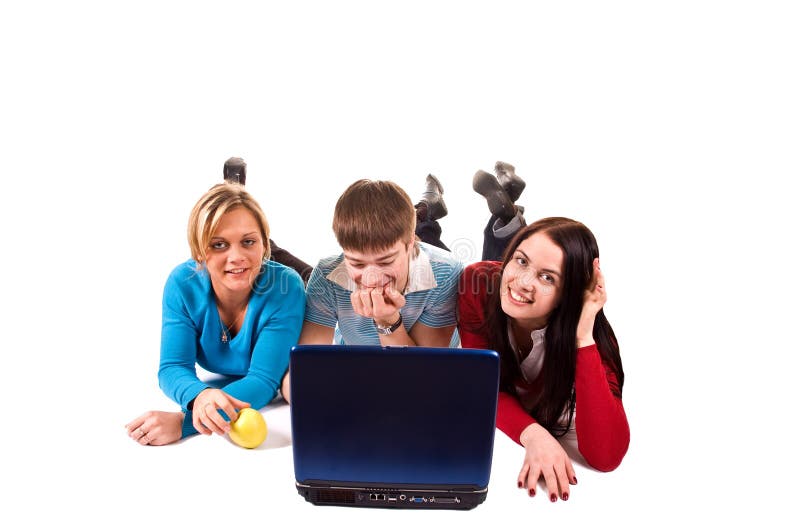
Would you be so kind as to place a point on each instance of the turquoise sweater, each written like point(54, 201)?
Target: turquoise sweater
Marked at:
point(254, 360)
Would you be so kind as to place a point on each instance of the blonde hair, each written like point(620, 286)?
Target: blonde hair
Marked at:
point(207, 212)
point(371, 216)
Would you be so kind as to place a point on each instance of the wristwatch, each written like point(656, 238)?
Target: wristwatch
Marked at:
point(391, 328)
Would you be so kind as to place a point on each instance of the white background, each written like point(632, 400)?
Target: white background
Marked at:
point(670, 129)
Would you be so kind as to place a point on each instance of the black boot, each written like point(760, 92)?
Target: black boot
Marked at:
point(235, 170)
point(432, 197)
point(489, 187)
point(510, 181)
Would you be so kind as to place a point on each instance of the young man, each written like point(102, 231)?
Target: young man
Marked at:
point(385, 288)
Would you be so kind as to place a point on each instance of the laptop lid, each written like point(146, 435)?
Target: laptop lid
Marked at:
point(393, 426)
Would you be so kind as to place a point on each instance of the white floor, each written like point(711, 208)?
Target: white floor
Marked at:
point(669, 129)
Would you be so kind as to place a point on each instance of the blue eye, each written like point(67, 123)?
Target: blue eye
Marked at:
point(219, 245)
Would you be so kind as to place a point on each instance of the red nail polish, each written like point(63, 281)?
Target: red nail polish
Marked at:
point(574, 480)
point(564, 496)
point(531, 493)
point(553, 497)
point(519, 484)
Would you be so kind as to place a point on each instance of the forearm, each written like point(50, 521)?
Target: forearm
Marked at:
point(398, 337)
point(600, 421)
point(270, 359)
point(177, 374)
point(180, 383)
point(257, 387)
point(279, 329)
point(512, 419)
point(419, 335)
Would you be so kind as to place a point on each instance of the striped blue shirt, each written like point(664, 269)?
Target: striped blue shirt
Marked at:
point(431, 296)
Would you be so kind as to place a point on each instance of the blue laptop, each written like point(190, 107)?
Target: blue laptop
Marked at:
point(393, 427)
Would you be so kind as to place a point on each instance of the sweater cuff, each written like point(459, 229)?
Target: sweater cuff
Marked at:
point(191, 394)
point(587, 351)
point(187, 428)
point(512, 419)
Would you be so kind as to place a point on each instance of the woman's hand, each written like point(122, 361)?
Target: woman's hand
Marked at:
point(156, 428)
point(205, 416)
point(594, 298)
point(544, 457)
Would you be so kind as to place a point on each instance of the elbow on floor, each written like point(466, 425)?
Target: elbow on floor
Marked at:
point(604, 460)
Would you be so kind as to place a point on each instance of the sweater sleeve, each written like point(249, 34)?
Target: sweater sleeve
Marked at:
point(472, 300)
point(512, 418)
point(600, 421)
point(177, 376)
point(601, 425)
point(278, 334)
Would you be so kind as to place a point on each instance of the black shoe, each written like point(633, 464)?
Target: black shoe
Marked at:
point(432, 197)
point(509, 180)
point(235, 170)
point(489, 187)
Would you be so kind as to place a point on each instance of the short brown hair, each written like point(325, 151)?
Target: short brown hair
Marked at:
point(372, 216)
point(207, 212)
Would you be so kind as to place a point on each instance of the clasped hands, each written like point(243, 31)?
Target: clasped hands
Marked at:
point(381, 303)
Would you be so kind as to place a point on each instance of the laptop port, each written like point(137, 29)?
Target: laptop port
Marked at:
point(418, 499)
point(445, 500)
point(377, 496)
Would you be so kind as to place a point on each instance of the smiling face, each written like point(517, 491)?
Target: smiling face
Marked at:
point(531, 284)
point(235, 253)
point(382, 268)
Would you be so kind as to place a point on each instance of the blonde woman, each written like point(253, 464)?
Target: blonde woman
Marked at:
point(229, 310)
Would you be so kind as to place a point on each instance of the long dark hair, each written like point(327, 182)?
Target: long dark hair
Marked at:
point(580, 249)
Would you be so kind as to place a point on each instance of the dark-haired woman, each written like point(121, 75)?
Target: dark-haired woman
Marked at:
point(542, 310)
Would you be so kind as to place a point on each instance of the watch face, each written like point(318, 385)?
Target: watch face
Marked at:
point(391, 328)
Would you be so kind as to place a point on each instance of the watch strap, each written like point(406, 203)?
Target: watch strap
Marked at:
point(391, 328)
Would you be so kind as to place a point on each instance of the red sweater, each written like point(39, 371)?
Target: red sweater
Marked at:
point(600, 422)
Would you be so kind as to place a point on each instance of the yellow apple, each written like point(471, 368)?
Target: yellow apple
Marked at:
point(249, 430)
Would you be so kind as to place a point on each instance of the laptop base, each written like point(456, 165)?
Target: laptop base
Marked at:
point(392, 497)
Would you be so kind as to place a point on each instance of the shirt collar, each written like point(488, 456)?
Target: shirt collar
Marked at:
point(420, 274)
point(531, 364)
